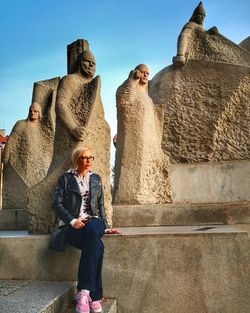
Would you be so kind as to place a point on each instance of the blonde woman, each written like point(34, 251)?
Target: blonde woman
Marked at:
point(79, 204)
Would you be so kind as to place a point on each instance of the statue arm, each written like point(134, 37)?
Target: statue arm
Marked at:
point(64, 97)
point(126, 92)
point(180, 59)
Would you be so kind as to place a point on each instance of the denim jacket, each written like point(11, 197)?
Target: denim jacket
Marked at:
point(67, 198)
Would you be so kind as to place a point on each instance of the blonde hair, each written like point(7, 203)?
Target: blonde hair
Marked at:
point(76, 153)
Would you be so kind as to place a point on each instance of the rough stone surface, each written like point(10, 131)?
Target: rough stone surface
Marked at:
point(207, 112)
point(47, 297)
point(79, 121)
point(36, 297)
point(215, 48)
point(245, 44)
point(141, 168)
point(205, 96)
point(195, 43)
point(28, 152)
point(9, 286)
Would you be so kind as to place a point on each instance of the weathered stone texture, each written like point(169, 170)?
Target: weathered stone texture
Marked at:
point(245, 44)
point(40, 196)
point(79, 121)
point(203, 45)
point(28, 152)
point(141, 169)
point(207, 113)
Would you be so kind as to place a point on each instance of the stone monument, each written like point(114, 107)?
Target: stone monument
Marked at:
point(141, 168)
point(79, 120)
point(206, 97)
point(200, 265)
point(27, 154)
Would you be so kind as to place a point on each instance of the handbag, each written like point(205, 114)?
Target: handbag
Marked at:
point(57, 239)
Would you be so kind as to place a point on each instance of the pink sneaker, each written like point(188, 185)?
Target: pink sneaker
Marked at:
point(95, 307)
point(83, 299)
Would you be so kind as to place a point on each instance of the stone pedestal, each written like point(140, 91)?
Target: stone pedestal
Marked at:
point(150, 269)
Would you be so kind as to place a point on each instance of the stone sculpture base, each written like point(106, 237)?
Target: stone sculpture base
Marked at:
point(156, 269)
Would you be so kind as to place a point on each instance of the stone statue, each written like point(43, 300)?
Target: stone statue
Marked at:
point(141, 168)
point(195, 22)
point(28, 152)
point(79, 120)
point(206, 102)
point(195, 43)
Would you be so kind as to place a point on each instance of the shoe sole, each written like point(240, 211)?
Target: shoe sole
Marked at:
point(78, 311)
point(92, 311)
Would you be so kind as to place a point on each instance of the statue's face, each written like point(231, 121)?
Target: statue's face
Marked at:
point(34, 112)
point(88, 67)
point(199, 18)
point(144, 74)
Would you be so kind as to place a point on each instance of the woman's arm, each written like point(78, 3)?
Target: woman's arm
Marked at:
point(58, 202)
point(101, 208)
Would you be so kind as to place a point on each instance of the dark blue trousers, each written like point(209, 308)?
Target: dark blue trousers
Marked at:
point(88, 239)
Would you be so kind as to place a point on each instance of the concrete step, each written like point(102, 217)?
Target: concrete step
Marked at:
point(21, 252)
point(25, 296)
point(150, 269)
point(181, 214)
point(35, 296)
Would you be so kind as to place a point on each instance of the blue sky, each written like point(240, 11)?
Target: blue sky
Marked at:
point(121, 34)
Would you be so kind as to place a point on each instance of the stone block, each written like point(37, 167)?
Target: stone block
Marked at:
point(181, 214)
point(211, 182)
point(37, 297)
point(150, 269)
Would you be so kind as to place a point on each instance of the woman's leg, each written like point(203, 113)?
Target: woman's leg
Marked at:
point(97, 293)
point(88, 239)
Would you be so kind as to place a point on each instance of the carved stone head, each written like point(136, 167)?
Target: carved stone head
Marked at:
point(35, 112)
point(144, 73)
point(86, 64)
point(198, 14)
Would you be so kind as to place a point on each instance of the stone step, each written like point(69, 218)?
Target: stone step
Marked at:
point(155, 215)
point(203, 268)
point(181, 214)
point(21, 296)
point(21, 252)
point(26, 296)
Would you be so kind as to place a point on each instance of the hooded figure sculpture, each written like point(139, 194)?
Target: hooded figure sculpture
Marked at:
point(141, 169)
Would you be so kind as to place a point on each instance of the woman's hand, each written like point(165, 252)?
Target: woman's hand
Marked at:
point(79, 223)
point(111, 231)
